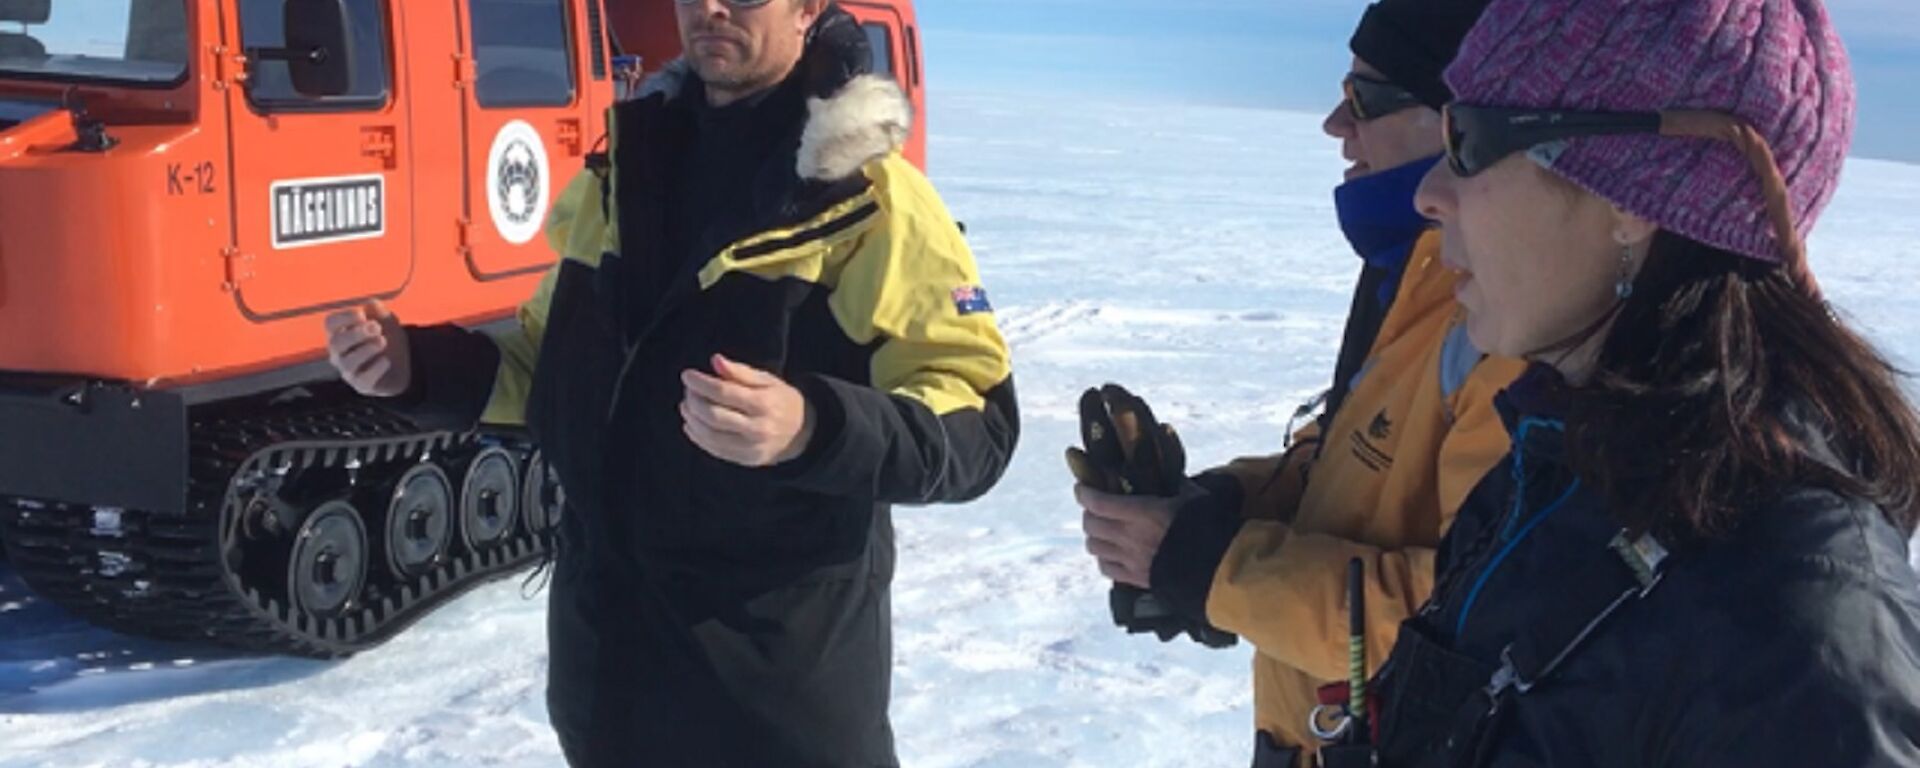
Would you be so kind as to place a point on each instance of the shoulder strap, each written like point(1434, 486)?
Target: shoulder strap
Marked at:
point(1458, 732)
point(1628, 570)
point(1364, 319)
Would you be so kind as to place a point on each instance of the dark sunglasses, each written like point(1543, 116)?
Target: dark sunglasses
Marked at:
point(1370, 98)
point(1479, 137)
point(730, 3)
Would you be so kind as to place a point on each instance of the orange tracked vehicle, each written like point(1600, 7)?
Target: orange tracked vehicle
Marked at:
point(186, 188)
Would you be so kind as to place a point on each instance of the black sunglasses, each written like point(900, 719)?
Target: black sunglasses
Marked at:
point(1370, 98)
point(1479, 137)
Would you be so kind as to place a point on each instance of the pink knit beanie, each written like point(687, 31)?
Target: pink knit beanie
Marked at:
point(1776, 63)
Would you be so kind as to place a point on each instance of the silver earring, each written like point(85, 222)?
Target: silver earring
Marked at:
point(1624, 288)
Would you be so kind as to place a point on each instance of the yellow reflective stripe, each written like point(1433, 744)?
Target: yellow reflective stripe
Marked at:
point(798, 251)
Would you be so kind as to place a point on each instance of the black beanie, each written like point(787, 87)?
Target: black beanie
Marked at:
point(1413, 41)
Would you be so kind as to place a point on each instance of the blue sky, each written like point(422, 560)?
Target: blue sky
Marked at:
point(1291, 53)
point(1274, 53)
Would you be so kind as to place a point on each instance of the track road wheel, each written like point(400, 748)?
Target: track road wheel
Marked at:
point(419, 521)
point(541, 497)
point(489, 498)
point(328, 563)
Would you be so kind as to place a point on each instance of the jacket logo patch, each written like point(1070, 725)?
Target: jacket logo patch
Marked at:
point(1367, 444)
point(971, 299)
point(1381, 428)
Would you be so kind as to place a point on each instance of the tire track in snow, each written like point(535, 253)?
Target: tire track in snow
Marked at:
point(1023, 325)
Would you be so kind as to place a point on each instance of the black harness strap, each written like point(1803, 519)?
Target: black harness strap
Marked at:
point(1440, 718)
point(1538, 653)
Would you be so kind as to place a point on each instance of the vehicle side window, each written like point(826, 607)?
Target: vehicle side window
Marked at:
point(520, 53)
point(270, 83)
point(880, 39)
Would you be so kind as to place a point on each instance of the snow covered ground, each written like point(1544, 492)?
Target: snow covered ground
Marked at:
point(1188, 253)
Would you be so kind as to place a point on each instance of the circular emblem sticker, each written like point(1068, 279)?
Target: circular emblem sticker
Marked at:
point(518, 182)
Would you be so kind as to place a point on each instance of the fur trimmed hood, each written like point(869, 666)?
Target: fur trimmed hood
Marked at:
point(866, 120)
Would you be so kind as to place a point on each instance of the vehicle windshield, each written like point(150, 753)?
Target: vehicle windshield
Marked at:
point(134, 41)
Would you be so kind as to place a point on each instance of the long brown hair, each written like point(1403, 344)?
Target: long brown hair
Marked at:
point(1721, 384)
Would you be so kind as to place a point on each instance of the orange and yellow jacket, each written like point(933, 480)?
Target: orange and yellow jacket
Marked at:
point(1265, 551)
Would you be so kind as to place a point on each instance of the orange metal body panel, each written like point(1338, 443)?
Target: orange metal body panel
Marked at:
point(904, 36)
point(157, 262)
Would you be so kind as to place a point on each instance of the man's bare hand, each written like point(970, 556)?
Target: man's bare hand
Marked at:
point(368, 346)
point(745, 415)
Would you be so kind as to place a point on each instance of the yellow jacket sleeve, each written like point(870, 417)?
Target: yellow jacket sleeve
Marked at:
point(1286, 593)
point(577, 230)
point(1268, 487)
point(936, 421)
point(452, 389)
point(519, 346)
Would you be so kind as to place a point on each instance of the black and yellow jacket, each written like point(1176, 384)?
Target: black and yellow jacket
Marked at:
point(866, 297)
point(842, 272)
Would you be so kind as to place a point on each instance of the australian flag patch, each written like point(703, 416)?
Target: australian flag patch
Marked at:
point(971, 299)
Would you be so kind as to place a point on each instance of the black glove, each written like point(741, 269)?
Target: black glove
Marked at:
point(1129, 452)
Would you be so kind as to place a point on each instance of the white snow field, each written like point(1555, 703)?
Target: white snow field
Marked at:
point(1189, 253)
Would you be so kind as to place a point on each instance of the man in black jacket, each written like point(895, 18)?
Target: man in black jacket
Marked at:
point(766, 328)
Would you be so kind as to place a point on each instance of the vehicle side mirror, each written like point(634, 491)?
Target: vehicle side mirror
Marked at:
point(26, 11)
point(318, 52)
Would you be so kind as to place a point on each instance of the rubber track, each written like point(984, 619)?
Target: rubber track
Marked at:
point(165, 576)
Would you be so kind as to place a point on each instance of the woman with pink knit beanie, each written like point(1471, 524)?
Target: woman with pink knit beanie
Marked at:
point(1696, 552)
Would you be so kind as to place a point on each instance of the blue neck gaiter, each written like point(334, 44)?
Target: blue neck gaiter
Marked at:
point(1378, 217)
